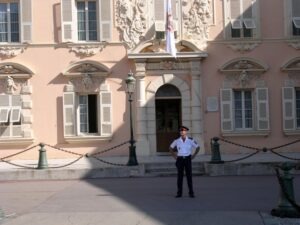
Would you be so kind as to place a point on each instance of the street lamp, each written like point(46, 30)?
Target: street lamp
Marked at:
point(130, 86)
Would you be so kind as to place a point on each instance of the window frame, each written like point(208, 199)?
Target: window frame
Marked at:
point(243, 109)
point(254, 30)
point(86, 20)
point(9, 122)
point(9, 22)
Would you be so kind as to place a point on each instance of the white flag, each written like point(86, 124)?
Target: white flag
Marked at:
point(170, 39)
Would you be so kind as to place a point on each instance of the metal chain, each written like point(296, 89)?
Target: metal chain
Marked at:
point(280, 146)
point(63, 150)
point(106, 150)
point(286, 194)
point(245, 146)
point(68, 164)
point(18, 153)
point(109, 163)
point(14, 164)
point(283, 156)
point(245, 157)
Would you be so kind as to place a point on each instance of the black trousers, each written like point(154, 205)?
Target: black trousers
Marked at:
point(184, 164)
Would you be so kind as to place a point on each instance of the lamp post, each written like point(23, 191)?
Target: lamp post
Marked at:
point(130, 86)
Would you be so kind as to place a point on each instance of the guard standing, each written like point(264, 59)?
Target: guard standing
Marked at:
point(184, 156)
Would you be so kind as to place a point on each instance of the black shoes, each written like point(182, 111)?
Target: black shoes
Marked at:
point(178, 196)
point(192, 195)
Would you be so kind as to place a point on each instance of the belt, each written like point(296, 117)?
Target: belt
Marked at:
point(183, 157)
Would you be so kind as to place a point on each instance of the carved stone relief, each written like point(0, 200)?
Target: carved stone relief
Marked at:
point(295, 44)
point(11, 51)
point(196, 16)
point(86, 83)
point(131, 20)
point(86, 50)
point(242, 79)
point(243, 46)
point(168, 65)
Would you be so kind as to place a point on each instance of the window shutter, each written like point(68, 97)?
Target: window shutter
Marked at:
point(235, 9)
point(67, 17)
point(4, 100)
point(247, 9)
point(226, 109)
point(175, 14)
point(105, 113)
point(262, 101)
point(105, 20)
point(15, 114)
point(288, 101)
point(4, 114)
point(26, 20)
point(69, 113)
point(159, 15)
point(296, 8)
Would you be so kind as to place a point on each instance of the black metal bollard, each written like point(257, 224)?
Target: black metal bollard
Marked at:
point(215, 152)
point(43, 163)
point(286, 205)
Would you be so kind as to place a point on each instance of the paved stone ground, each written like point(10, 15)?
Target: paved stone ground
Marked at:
point(226, 200)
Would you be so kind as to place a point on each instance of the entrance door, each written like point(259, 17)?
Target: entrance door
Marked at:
point(168, 120)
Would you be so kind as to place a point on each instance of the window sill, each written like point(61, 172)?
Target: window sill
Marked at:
point(16, 141)
point(85, 139)
point(245, 133)
point(291, 132)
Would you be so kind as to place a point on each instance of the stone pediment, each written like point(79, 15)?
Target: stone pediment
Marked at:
point(292, 65)
point(14, 70)
point(243, 64)
point(87, 67)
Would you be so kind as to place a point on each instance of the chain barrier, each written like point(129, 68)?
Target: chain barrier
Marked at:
point(66, 151)
point(285, 192)
point(264, 149)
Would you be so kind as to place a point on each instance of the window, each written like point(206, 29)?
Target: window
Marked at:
point(296, 17)
point(244, 111)
point(9, 22)
point(92, 21)
point(87, 114)
point(87, 20)
point(291, 109)
point(298, 108)
point(243, 19)
point(10, 116)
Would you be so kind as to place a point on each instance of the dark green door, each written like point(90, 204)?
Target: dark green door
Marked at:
point(168, 120)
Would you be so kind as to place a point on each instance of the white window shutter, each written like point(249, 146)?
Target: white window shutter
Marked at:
point(4, 100)
point(160, 15)
point(105, 8)
point(262, 102)
point(106, 113)
point(68, 20)
point(288, 105)
point(235, 9)
point(69, 113)
point(247, 9)
point(26, 20)
point(4, 112)
point(15, 114)
point(226, 110)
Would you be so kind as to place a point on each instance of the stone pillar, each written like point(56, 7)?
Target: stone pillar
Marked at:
point(196, 109)
point(142, 144)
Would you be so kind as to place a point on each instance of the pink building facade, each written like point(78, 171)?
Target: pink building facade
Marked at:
point(63, 63)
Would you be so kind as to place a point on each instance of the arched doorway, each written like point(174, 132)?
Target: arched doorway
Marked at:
point(168, 116)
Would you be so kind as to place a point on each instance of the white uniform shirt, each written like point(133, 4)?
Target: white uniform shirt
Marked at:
point(184, 148)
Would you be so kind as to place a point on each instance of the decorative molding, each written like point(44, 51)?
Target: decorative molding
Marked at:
point(242, 79)
point(292, 66)
point(196, 16)
point(87, 49)
point(131, 19)
point(244, 64)
point(294, 43)
point(12, 50)
point(243, 46)
point(82, 68)
point(168, 65)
